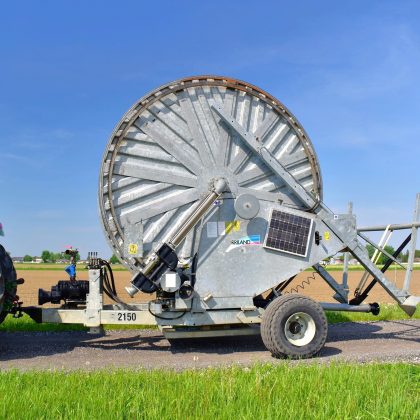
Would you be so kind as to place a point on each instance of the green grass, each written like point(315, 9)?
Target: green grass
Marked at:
point(26, 324)
point(343, 391)
point(388, 313)
point(58, 267)
point(339, 267)
point(120, 267)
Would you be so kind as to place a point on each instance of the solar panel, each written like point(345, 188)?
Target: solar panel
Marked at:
point(288, 233)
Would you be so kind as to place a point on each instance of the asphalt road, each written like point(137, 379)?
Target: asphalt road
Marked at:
point(357, 342)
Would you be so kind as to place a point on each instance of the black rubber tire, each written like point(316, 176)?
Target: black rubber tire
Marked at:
point(273, 326)
point(7, 282)
point(3, 317)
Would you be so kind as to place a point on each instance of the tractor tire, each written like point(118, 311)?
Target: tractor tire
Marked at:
point(294, 327)
point(8, 283)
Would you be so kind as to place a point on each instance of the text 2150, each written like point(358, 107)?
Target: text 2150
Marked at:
point(126, 316)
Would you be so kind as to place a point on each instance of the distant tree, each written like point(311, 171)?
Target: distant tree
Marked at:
point(64, 256)
point(383, 258)
point(67, 257)
point(370, 250)
point(114, 259)
point(404, 256)
point(55, 256)
point(45, 256)
point(390, 249)
point(27, 258)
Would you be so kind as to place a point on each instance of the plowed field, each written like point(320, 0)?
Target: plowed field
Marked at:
point(316, 289)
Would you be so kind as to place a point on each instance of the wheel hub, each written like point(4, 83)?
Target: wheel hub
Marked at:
point(300, 329)
point(295, 327)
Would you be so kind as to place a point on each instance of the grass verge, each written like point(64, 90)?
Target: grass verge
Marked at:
point(120, 267)
point(26, 324)
point(389, 312)
point(344, 391)
point(58, 267)
point(339, 267)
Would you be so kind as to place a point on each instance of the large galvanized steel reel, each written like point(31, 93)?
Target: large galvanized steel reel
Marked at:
point(170, 146)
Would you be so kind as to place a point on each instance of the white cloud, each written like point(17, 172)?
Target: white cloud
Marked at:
point(14, 156)
point(387, 62)
point(51, 214)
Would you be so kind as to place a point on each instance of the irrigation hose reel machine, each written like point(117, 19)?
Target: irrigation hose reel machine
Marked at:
point(210, 193)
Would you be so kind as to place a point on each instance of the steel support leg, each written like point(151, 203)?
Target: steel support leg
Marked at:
point(407, 303)
point(341, 293)
point(412, 251)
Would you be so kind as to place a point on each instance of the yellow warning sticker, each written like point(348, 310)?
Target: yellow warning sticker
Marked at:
point(133, 249)
point(327, 235)
point(233, 226)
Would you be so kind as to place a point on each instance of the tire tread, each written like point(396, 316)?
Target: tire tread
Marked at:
point(274, 338)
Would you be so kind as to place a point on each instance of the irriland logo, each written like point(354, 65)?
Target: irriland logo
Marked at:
point(245, 241)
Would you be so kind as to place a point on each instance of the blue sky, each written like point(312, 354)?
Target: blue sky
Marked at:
point(349, 71)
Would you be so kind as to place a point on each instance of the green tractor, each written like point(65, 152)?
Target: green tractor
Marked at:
point(8, 285)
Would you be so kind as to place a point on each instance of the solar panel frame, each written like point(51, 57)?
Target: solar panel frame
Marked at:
point(295, 231)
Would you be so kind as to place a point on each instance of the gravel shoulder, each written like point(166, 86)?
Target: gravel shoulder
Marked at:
point(387, 341)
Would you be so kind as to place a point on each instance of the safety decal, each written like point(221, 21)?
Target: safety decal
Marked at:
point(232, 226)
point(215, 229)
point(133, 249)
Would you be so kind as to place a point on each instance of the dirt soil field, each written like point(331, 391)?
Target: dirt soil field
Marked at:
point(317, 288)
point(391, 341)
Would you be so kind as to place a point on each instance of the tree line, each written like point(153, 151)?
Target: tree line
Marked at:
point(50, 257)
point(403, 257)
point(53, 257)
